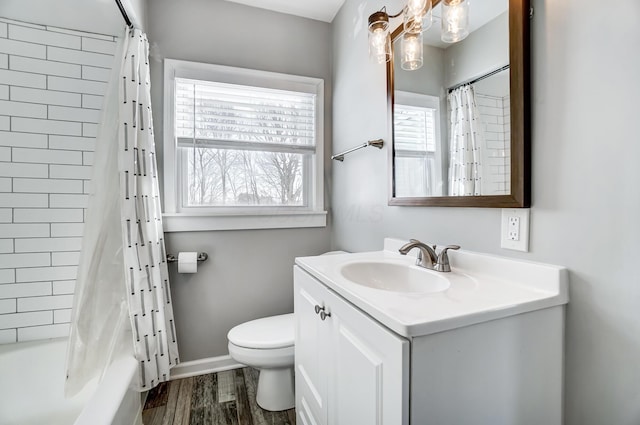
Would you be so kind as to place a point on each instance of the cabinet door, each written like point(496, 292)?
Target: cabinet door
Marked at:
point(369, 383)
point(350, 370)
point(311, 339)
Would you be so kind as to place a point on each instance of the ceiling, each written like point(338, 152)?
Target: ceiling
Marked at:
point(320, 10)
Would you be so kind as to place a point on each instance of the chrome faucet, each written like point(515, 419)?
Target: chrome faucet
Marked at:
point(427, 256)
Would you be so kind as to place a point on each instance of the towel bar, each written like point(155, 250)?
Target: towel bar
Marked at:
point(378, 143)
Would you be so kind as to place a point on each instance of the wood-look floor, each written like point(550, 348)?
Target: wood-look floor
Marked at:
point(223, 398)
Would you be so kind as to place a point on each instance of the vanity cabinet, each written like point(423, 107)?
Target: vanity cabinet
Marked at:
point(349, 369)
point(353, 368)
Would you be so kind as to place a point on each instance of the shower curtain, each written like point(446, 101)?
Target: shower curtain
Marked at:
point(465, 147)
point(122, 302)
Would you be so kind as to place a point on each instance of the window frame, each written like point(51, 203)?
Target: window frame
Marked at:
point(177, 218)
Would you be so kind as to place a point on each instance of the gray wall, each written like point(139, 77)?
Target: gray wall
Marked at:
point(137, 9)
point(428, 79)
point(483, 51)
point(586, 202)
point(249, 274)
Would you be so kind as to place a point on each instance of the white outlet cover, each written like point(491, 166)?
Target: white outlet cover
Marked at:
point(522, 244)
point(514, 228)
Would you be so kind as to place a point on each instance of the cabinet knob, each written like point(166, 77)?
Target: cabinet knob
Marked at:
point(324, 315)
point(318, 309)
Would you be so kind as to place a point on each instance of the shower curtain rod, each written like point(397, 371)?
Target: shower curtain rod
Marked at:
point(480, 78)
point(124, 14)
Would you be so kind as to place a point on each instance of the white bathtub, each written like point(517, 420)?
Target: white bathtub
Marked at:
point(32, 376)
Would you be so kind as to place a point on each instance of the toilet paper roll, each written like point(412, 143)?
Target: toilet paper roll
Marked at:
point(187, 262)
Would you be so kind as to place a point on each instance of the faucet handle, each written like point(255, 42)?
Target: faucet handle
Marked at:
point(443, 258)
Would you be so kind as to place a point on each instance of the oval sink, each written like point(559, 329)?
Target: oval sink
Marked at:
point(394, 277)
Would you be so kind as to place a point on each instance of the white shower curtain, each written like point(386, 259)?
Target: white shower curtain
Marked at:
point(465, 144)
point(122, 301)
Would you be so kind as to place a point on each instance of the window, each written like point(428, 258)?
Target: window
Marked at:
point(416, 136)
point(243, 148)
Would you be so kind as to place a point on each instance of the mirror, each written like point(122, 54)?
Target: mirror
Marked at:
point(460, 123)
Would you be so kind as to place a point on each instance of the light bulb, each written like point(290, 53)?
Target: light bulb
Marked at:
point(418, 15)
point(455, 20)
point(379, 40)
point(411, 52)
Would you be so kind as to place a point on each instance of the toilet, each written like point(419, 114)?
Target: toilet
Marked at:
point(267, 344)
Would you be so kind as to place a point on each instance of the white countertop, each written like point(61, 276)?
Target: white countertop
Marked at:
point(483, 287)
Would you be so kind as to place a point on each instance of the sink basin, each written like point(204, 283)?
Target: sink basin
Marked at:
point(394, 277)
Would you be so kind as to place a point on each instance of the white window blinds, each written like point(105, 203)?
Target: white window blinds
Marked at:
point(241, 117)
point(414, 128)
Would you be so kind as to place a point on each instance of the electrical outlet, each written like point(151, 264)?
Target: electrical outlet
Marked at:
point(515, 229)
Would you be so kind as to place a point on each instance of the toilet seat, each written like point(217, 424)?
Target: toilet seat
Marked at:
point(262, 358)
point(266, 333)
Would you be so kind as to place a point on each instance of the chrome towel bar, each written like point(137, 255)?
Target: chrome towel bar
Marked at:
point(378, 143)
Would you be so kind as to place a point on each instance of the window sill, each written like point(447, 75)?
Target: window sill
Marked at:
point(181, 222)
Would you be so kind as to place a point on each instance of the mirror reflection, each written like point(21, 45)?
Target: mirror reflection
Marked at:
point(451, 116)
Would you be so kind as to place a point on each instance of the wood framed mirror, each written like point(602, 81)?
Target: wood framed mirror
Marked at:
point(477, 86)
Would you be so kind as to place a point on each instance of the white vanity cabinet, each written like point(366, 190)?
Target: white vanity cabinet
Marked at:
point(349, 369)
point(486, 349)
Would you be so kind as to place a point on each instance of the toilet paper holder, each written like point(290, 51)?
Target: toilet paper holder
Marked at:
point(172, 258)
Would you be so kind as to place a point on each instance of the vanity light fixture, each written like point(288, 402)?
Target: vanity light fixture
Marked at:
point(417, 18)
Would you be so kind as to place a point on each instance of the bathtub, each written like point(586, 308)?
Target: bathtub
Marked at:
point(32, 376)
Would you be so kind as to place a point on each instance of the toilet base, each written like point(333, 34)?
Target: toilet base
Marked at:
point(275, 389)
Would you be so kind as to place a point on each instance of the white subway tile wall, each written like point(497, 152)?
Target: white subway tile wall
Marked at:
point(52, 83)
point(494, 112)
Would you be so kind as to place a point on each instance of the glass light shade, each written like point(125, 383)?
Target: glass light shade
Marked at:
point(455, 20)
point(379, 39)
point(418, 15)
point(411, 52)
point(415, 6)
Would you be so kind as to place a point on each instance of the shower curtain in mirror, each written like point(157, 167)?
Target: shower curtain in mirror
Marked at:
point(465, 147)
point(122, 302)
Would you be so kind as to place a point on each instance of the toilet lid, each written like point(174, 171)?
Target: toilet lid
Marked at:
point(268, 332)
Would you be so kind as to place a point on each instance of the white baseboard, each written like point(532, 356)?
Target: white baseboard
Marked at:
point(204, 366)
